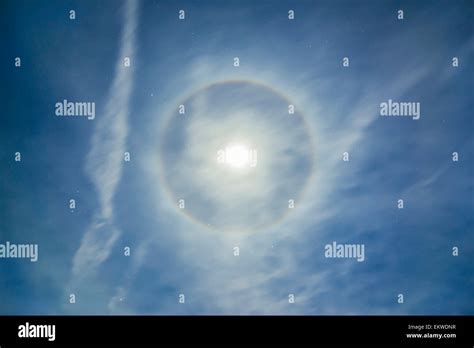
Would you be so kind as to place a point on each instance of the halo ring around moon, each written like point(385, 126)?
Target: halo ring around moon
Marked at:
point(165, 126)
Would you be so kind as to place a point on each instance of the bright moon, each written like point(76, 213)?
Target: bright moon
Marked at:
point(237, 156)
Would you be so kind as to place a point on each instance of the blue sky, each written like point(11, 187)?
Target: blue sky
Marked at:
point(122, 204)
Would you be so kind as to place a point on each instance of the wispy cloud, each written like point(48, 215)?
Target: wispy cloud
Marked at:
point(105, 159)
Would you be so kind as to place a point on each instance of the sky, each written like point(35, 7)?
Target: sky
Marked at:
point(280, 265)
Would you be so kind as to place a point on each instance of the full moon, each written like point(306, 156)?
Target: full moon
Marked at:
point(237, 156)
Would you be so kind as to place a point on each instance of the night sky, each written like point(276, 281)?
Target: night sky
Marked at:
point(157, 216)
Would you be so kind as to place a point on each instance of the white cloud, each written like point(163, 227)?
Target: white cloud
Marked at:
point(104, 162)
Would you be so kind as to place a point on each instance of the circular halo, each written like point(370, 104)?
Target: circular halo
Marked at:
point(236, 156)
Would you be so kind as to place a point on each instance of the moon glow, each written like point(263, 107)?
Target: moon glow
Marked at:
point(236, 156)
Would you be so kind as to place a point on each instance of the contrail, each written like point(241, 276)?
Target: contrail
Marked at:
point(105, 159)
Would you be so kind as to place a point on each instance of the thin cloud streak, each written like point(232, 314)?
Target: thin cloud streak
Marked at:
point(105, 159)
